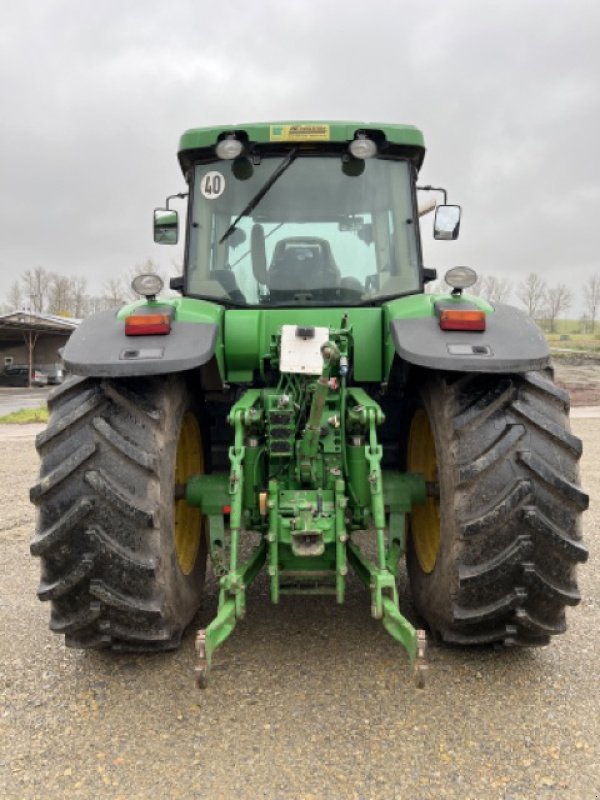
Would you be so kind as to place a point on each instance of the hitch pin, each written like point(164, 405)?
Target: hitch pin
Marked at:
point(421, 665)
point(201, 668)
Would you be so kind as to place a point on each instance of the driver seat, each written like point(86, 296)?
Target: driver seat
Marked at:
point(303, 264)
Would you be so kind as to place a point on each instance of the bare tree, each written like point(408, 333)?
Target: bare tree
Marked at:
point(531, 292)
point(436, 287)
point(477, 287)
point(495, 290)
point(36, 284)
point(558, 299)
point(41, 291)
point(94, 304)
point(59, 295)
point(114, 294)
point(440, 286)
point(15, 296)
point(79, 297)
point(591, 295)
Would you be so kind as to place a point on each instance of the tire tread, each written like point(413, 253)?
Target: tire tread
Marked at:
point(98, 531)
point(513, 512)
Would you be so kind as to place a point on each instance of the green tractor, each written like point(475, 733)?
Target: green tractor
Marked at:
point(305, 407)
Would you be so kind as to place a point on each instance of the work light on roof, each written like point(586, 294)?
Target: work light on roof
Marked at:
point(229, 148)
point(147, 284)
point(460, 277)
point(362, 147)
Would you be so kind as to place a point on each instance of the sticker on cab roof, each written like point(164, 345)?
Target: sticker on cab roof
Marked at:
point(299, 133)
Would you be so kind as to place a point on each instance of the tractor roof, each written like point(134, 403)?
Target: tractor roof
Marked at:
point(198, 143)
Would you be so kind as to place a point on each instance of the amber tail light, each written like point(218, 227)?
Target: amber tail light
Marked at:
point(147, 324)
point(462, 320)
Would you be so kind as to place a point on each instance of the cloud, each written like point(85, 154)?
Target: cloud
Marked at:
point(95, 97)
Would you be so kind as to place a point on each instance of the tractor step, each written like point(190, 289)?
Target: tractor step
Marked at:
point(318, 589)
point(306, 575)
point(299, 582)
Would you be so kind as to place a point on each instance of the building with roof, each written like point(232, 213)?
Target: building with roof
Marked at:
point(27, 337)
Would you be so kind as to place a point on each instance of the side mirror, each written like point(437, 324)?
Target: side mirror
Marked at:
point(166, 226)
point(446, 224)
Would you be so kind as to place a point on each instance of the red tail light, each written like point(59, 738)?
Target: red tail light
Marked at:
point(147, 324)
point(462, 320)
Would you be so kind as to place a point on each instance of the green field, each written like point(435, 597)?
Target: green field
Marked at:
point(25, 416)
point(572, 334)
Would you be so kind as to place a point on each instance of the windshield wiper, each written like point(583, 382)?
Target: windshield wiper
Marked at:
point(261, 193)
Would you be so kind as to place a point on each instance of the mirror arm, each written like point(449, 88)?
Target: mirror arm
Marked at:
point(435, 189)
point(179, 196)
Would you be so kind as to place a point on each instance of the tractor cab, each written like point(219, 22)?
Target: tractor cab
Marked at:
point(277, 219)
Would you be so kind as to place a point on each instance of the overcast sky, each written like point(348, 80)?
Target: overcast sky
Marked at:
point(94, 97)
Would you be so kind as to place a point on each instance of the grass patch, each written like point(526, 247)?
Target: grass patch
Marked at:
point(572, 326)
point(576, 341)
point(25, 416)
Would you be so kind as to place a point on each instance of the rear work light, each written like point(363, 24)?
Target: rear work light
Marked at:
point(462, 320)
point(147, 324)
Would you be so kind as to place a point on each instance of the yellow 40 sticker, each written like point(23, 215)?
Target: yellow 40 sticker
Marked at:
point(299, 133)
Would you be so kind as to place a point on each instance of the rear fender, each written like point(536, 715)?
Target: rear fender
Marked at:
point(100, 349)
point(510, 343)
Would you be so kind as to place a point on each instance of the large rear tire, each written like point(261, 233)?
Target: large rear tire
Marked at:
point(493, 558)
point(123, 563)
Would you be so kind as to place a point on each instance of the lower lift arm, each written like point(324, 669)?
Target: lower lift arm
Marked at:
point(309, 511)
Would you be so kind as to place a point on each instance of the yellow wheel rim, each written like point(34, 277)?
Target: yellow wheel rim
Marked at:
point(189, 460)
point(424, 518)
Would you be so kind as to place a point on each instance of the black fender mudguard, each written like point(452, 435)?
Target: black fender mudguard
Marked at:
point(512, 342)
point(100, 349)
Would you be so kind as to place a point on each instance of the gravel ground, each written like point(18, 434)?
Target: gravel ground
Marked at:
point(581, 377)
point(307, 700)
